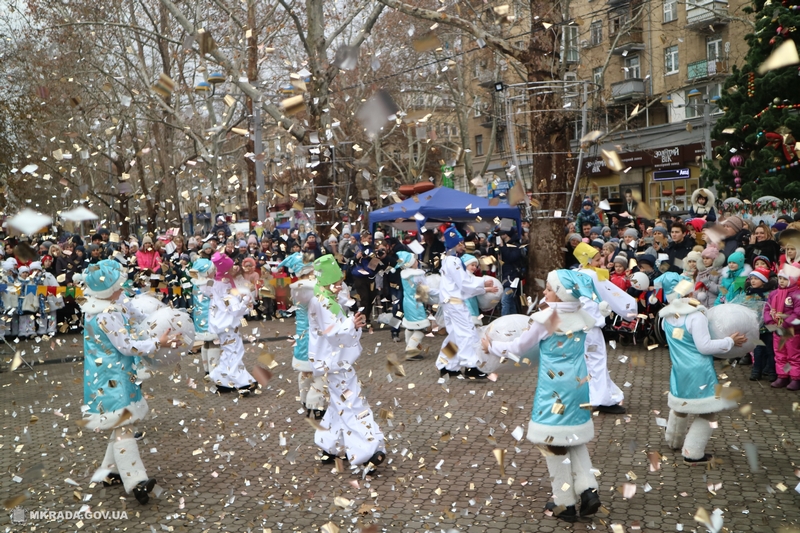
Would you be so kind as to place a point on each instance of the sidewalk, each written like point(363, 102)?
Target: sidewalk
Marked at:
point(229, 464)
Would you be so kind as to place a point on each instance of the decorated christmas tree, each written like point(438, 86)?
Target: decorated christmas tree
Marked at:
point(759, 155)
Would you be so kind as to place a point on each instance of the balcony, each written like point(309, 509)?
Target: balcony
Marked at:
point(705, 69)
point(629, 41)
point(628, 89)
point(702, 14)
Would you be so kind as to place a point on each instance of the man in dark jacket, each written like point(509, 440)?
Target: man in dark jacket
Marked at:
point(434, 248)
point(363, 268)
point(737, 234)
point(513, 260)
point(679, 248)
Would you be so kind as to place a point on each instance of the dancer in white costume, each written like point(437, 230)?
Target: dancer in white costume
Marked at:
point(559, 424)
point(693, 380)
point(458, 285)
point(415, 316)
point(604, 394)
point(228, 306)
point(202, 285)
point(313, 393)
point(334, 344)
point(112, 399)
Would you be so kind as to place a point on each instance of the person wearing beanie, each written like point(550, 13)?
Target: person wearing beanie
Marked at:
point(572, 241)
point(620, 275)
point(707, 279)
point(732, 279)
point(457, 286)
point(148, 260)
point(202, 274)
point(693, 385)
point(227, 308)
point(756, 296)
point(113, 400)
point(782, 313)
point(415, 317)
point(690, 265)
point(605, 233)
point(559, 423)
point(735, 231)
point(334, 344)
point(598, 301)
point(587, 215)
point(312, 388)
point(595, 233)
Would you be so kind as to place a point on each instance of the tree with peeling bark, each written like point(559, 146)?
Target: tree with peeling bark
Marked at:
point(553, 174)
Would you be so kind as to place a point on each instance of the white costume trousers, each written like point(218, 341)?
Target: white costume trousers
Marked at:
point(351, 425)
point(313, 391)
point(570, 475)
point(122, 457)
point(602, 390)
point(230, 371)
point(462, 332)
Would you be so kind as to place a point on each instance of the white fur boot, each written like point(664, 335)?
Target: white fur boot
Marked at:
point(560, 469)
point(581, 464)
point(128, 461)
point(676, 429)
point(108, 465)
point(694, 447)
point(213, 354)
point(413, 341)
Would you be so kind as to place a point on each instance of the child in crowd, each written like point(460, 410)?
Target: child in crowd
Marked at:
point(732, 280)
point(708, 277)
point(620, 275)
point(415, 317)
point(782, 315)
point(756, 295)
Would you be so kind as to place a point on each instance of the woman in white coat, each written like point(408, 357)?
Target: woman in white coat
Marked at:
point(334, 344)
point(228, 306)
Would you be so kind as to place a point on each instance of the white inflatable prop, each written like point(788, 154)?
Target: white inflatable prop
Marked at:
point(146, 305)
point(727, 319)
point(488, 301)
point(432, 281)
point(160, 321)
point(506, 329)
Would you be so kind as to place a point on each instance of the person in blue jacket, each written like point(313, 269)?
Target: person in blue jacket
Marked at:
point(415, 316)
point(112, 399)
point(561, 420)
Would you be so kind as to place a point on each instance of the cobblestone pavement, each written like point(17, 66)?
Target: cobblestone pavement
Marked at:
point(229, 464)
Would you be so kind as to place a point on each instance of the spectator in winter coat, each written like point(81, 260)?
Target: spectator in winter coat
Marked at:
point(733, 279)
point(703, 205)
point(762, 243)
point(736, 231)
point(514, 259)
point(679, 248)
point(587, 214)
point(221, 226)
point(147, 258)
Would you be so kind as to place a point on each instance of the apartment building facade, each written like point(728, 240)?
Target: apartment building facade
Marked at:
point(671, 54)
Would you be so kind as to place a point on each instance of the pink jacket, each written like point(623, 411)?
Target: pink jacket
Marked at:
point(148, 260)
point(785, 301)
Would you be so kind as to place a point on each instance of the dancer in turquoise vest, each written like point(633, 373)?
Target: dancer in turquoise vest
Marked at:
point(693, 380)
point(471, 264)
point(112, 399)
point(312, 389)
point(201, 312)
point(561, 419)
point(415, 316)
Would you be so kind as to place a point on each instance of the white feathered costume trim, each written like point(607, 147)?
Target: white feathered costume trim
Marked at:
point(114, 419)
point(560, 435)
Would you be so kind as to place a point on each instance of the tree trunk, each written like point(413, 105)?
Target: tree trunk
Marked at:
point(252, 76)
point(552, 173)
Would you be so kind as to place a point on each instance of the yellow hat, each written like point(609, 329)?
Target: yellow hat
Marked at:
point(584, 253)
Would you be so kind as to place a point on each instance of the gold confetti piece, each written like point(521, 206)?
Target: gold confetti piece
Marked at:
point(164, 85)
point(558, 408)
point(652, 347)
point(294, 105)
point(450, 349)
point(426, 43)
point(15, 501)
point(500, 455)
point(783, 56)
point(330, 527)
point(612, 160)
point(677, 334)
point(781, 487)
point(342, 502)
point(655, 461)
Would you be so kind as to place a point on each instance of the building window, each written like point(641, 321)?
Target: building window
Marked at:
point(671, 60)
point(714, 48)
point(597, 76)
point(632, 68)
point(477, 107)
point(500, 144)
point(479, 145)
point(616, 23)
point(596, 32)
point(569, 44)
point(670, 10)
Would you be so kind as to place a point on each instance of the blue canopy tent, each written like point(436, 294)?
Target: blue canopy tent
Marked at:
point(443, 204)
